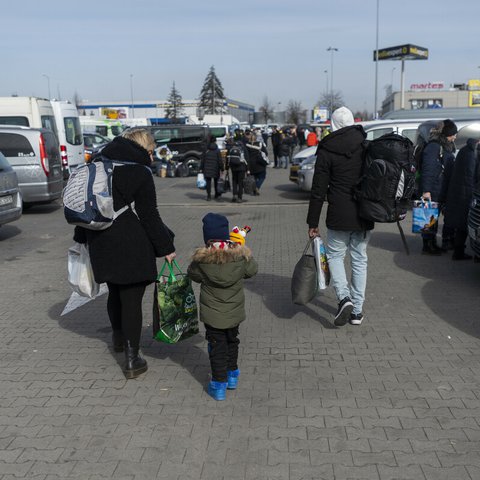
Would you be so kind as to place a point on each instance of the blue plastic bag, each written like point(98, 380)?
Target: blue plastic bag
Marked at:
point(425, 217)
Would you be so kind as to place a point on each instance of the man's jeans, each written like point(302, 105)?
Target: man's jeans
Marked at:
point(337, 244)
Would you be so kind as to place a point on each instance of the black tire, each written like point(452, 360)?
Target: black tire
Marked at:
point(193, 166)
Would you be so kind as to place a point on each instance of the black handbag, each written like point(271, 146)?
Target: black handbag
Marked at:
point(304, 279)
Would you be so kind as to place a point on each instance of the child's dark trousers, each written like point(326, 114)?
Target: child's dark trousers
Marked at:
point(223, 351)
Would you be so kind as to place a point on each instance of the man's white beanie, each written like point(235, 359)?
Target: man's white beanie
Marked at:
point(342, 117)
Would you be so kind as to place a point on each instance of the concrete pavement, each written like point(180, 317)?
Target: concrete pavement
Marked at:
point(397, 398)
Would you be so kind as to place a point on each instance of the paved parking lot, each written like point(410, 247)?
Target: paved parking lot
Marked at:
point(397, 398)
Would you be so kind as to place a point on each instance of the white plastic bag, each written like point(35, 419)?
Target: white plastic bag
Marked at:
point(201, 182)
point(80, 273)
point(320, 254)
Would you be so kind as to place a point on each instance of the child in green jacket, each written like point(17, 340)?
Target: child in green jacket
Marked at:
point(220, 267)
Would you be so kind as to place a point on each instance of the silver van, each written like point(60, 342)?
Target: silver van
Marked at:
point(34, 155)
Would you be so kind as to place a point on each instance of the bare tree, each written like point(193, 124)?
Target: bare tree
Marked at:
point(266, 109)
point(332, 100)
point(294, 113)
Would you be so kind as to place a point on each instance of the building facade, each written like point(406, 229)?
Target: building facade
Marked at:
point(434, 95)
point(155, 110)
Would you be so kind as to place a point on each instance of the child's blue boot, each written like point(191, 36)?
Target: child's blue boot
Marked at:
point(232, 379)
point(217, 390)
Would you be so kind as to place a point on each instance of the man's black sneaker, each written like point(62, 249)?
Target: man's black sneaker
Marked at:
point(345, 308)
point(356, 318)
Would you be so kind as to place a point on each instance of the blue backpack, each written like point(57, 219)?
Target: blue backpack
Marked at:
point(87, 197)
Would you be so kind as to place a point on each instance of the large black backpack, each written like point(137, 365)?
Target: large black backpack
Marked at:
point(388, 180)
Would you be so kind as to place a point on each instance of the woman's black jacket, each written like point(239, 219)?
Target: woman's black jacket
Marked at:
point(125, 253)
point(212, 163)
point(461, 185)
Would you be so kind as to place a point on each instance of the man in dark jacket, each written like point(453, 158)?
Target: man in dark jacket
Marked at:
point(337, 170)
point(437, 164)
point(459, 195)
point(276, 141)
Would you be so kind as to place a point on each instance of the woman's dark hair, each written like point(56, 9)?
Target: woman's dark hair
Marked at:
point(212, 139)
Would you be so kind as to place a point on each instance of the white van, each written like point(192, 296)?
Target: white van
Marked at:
point(27, 112)
point(406, 128)
point(70, 135)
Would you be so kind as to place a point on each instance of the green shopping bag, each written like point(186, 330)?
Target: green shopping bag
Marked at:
point(175, 314)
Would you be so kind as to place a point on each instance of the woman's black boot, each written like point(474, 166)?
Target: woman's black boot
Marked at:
point(135, 364)
point(117, 341)
point(430, 247)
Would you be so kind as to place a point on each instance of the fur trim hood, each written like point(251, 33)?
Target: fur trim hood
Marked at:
point(220, 256)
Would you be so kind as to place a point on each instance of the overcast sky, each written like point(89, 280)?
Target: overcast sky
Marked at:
point(274, 48)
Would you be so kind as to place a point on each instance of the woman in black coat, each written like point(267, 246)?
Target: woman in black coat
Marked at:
point(211, 166)
point(459, 196)
point(257, 166)
point(124, 255)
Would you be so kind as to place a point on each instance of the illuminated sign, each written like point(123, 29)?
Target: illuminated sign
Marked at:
point(402, 52)
point(474, 99)
point(474, 84)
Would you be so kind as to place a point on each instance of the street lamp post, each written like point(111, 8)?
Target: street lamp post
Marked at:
point(391, 83)
point(131, 95)
point(48, 83)
point(332, 50)
point(376, 67)
point(326, 81)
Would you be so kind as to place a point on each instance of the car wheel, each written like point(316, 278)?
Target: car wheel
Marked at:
point(193, 166)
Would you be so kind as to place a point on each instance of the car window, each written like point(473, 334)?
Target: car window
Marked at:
point(73, 131)
point(4, 165)
point(21, 121)
point(410, 133)
point(48, 121)
point(218, 132)
point(15, 145)
point(102, 130)
point(193, 135)
point(88, 141)
point(166, 135)
point(116, 129)
point(378, 132)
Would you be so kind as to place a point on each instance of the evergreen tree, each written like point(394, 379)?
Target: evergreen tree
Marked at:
point(175, 106)
point(211, 95)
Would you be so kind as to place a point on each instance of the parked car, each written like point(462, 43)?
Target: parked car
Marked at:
point(466, 131)
point(10, 196)
point(305, 173)
point(187, 143)
point(93, 143)
point(298, 159)
point(474, 222)
point(34, 155)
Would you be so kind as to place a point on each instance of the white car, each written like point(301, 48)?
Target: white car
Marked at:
point(305, 173)
point(298, 159)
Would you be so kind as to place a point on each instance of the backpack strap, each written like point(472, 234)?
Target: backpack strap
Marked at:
point(402, 235)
